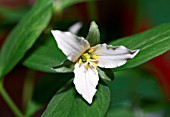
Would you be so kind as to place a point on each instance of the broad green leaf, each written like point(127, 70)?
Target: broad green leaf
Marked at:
point(44, 55)
point(69, 103)
point(135, 88)
point(151, 43)
point(93, 36)
point(24, 35)
point(138, 81)
point(134, 84)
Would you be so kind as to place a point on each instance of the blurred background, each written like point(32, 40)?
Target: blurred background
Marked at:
point(143, 91)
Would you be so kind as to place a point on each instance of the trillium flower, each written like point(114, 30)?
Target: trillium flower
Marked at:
point(87, 59)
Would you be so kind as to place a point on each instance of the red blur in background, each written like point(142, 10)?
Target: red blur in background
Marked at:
point(16, 3)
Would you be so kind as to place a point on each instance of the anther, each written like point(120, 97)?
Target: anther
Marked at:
point(95, 57)
point(85, 54)
point(91, 50)
point(80, 61)
point(86, 65)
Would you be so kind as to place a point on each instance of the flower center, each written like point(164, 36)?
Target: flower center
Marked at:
point(88, 58)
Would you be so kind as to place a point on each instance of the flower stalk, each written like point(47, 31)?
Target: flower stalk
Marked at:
point(9, 101)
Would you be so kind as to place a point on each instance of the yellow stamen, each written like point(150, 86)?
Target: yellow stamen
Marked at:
point(95, 57)
point(80, 61)
point(85, 54)
point(94, 64)
point(91, 50)
point(86, 65)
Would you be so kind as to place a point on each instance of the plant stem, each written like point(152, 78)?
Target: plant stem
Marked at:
point(9, 101)
point(28, 88)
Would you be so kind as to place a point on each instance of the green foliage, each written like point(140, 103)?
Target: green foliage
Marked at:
point(48, 55)
point(66, 67)
point(24, 35)
point(135, 82)
point(68, 103)
point(44, 55)
point(93, 36)
point(150, 9)
point(134, 88)
point(106, 74)
point(151, 43)
point(131, 88)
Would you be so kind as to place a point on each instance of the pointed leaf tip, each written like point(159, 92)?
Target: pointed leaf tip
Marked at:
point(93, 36)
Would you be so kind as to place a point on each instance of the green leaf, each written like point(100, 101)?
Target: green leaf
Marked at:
point(24, 35)
point(66, 67)
point(135, 88)
point(151, 43)
point(134, 85)
point(93, 36)
point(106, 74)
point(69, 103)
point(44, 55)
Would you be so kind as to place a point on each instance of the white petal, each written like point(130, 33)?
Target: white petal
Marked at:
point(71, 45)
point(112, 56)
point(85, 81)
point(75, 28)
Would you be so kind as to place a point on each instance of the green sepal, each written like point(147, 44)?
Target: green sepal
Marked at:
point(93, 37)
point(106, 74)
point(65, 67)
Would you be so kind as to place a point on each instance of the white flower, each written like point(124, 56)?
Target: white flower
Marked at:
point(87, 59)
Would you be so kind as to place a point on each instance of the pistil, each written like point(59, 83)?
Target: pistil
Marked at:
point(87, 58)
